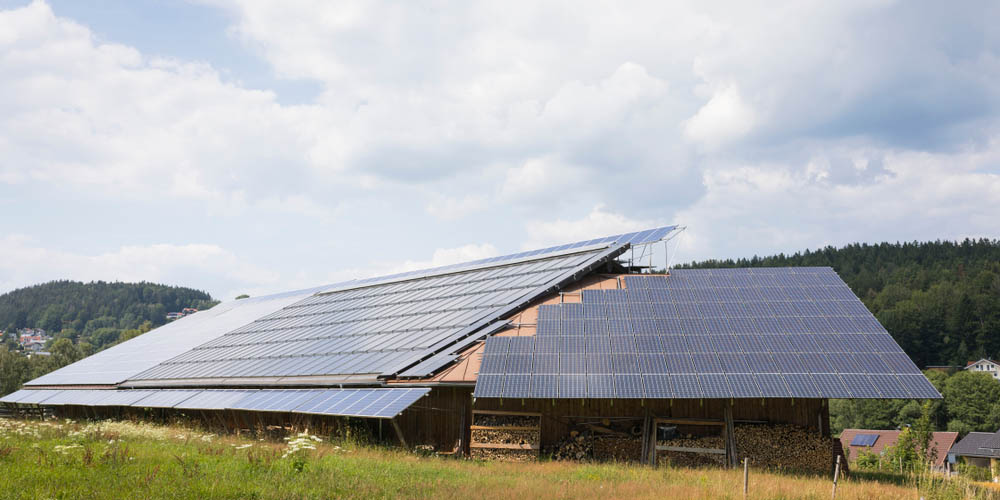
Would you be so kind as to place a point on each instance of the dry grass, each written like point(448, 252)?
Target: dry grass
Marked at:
point(131, 460)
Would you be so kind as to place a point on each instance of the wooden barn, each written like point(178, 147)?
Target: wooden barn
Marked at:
point(572, 351)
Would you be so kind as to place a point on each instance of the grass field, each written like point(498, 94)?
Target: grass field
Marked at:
point(63, 459)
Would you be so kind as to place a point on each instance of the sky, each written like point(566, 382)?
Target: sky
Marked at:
point(245, 146)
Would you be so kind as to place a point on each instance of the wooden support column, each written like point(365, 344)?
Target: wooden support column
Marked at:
point(729, 435)
point(399, 433)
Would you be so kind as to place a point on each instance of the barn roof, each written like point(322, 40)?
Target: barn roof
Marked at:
point(720, 333)
point(352, 332)
point(977, 444)
point(727, 333)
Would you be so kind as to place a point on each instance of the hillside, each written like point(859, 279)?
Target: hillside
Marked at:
point(83, 318)
point(93, 311)
point(940, 300)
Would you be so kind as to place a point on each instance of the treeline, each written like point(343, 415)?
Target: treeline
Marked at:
point(16, 369)
point(96, 313)
point(940, 300)
point(971, 403)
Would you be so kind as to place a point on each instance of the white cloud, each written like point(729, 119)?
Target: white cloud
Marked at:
point(441, 257)
point(786, 208)
point(101, 116)
point(725, 117)
point(599, 222)
point(506, 123)
point(24, 262)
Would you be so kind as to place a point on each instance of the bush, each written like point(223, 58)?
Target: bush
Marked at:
point(867, 460)
point(973, 472)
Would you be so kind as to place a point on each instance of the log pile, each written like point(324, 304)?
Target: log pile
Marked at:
point(502, 455)
point(505, 420)
point(576, 446)
point(506, 437)
point(783, 447)
point(597, 442)
point(617, 449)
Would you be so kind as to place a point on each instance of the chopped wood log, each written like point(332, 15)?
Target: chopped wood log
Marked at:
point(788, 447)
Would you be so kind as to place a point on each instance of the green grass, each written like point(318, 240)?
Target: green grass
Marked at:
point(58, 459)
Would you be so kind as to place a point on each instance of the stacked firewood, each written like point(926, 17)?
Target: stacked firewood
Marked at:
point(505, 420)
point(576, 446)
point(617, 449)
point(518, 430)
point(783, 447)
point(598, 441)
point(503, 455)
point(505, 436)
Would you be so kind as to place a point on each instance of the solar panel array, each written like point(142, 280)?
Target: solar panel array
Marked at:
point(721, 333)
point(118, 363)
point(864, 440)
point(371, 403)
point(635, 238)
point(379, 329)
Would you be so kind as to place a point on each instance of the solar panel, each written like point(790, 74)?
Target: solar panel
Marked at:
point(572, 386)
point(214, 399)
point(165, 398)
point(352, 328)
point(864, 440)
point(543, 386)
point(760, 332)
point(121, 398)
point(78, 397)
point(29, 396)
point(372, 403)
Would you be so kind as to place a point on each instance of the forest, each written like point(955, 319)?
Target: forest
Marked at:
point(83, 318)
point(95, 313)
point(940, 300)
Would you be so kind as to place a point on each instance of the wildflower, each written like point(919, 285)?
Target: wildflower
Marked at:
point(65, 449)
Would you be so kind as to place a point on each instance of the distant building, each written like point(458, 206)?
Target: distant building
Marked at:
point(981, 449)
point(985, 365)
point(859, 441)
point(174, 315)
point(189, 310)
point(34, 345)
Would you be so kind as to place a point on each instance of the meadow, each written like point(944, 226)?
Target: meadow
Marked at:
point(123, 459)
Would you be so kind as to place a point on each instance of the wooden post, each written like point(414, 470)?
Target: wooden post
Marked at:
point(746, 476)
point(652, 442)
point(729, 437)
point(836, 474)
point(399, 433)
point(644, 459)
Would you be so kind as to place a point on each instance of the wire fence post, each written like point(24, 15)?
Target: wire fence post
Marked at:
point(836, 474)
point(746, 476)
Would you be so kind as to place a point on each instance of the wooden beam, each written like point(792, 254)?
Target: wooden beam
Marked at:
point(506, 446)
point(714, 451)
point(504, 428)
point(498, 412)
point(690, 421)
point(399, 433)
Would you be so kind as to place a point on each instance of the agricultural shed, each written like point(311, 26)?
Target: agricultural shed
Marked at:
point(860, 441)
point(571, 349)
